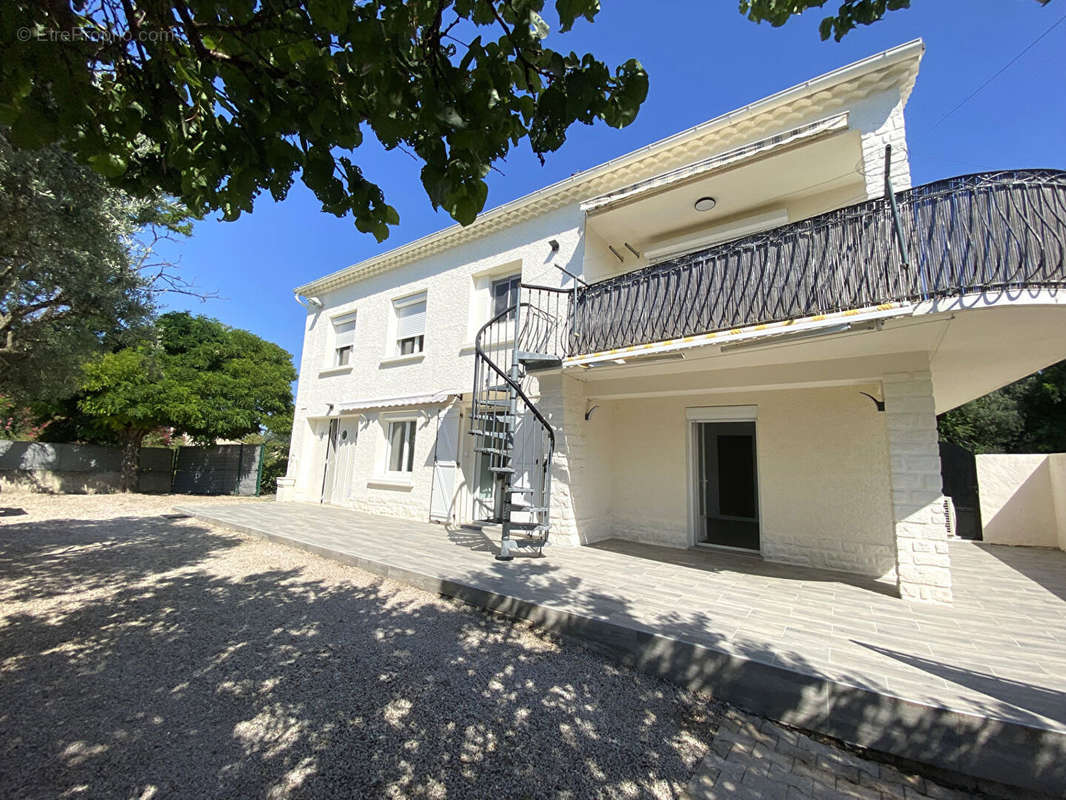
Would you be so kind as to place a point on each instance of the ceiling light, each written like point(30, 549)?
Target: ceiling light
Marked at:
point(705, 204)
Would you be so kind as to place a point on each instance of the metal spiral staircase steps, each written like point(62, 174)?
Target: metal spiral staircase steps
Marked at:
point(513, 439)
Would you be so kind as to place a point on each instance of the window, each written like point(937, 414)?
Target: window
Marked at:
point(410, 324)
point(505, 294)
point(343, 340)
point(401, 456)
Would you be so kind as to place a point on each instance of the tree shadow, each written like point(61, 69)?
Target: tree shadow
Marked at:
point(144, 655)
point(44, 559)
point(1040, 700)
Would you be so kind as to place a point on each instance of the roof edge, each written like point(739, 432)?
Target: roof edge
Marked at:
point(488, 221)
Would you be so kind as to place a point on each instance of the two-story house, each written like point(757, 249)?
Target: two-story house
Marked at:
point(739, 336)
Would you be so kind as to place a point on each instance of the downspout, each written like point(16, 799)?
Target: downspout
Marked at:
point(307, 302)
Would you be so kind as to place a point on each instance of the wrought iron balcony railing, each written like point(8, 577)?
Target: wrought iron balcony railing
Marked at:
point(989, 231)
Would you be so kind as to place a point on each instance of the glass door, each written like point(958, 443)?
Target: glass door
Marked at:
point(727, 485)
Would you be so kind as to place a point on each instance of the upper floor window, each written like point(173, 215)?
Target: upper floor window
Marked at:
point(505, 294)
point(343, 340)
point(410, 324)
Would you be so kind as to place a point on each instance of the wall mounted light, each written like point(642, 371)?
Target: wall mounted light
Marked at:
point(705, 204)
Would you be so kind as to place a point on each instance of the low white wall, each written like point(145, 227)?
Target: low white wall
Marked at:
point(1023, 499)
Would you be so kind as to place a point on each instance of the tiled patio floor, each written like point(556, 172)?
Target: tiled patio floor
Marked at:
point(998, 652)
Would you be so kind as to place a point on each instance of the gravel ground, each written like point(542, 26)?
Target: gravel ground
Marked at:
point(146, 657)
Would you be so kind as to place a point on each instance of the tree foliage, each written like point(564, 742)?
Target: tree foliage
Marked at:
point(199, 377)
point(1028, 416)
point(77, 267)
point(849, 14)
point(214, 103)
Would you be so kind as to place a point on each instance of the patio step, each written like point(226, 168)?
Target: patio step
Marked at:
point(503, 418)
point(538, 360)
point(492, 451)
point(490, 434)
point(527, 526)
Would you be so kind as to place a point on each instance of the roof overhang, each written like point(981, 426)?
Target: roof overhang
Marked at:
point(727, 160)
point(410, 401)
point(763, 333)
point(896, 67)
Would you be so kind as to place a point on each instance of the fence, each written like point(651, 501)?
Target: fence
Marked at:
point(81, 468)
point(221, 469)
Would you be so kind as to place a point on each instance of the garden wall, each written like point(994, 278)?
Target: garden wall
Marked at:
point(85, 468)
point(1023, 499)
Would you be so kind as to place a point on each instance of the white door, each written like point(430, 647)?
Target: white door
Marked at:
point(445, 465)
point(344, 458)
point(330, 465)
point(528, 457)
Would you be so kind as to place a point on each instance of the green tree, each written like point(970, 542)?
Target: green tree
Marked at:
point(214, 103)
point(849, 14)
point(199, 377)
point(1043, 405)
point(1028, 416)
point(989, 424)
point(77, 267)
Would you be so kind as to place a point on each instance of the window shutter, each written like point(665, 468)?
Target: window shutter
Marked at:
point(344, 333)
point(411, 319)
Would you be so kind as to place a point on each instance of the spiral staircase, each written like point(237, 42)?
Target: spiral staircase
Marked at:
point(513, 437)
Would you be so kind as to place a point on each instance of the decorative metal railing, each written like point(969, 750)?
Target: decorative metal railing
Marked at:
point(989, 231)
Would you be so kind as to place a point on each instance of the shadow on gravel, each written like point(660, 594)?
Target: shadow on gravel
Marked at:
point(182, 675)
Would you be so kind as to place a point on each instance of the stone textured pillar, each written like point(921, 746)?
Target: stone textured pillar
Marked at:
point(576, 507)
point(876, 132)
point(923, 565)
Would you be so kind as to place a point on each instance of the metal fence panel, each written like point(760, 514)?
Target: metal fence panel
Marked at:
point(221, 469)
point(218, 469)
point(154, 472)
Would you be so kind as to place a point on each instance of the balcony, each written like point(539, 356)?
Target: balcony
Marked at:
point(975, 233)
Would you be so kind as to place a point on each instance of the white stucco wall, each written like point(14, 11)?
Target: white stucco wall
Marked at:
point(456, 306)
point(1023, 499)
point(822, 463)
point(839, 527)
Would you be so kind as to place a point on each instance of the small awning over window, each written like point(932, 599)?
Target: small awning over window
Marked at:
point(729, 158)
point(438, 398)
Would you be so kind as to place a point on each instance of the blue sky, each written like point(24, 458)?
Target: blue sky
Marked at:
point(703, 59)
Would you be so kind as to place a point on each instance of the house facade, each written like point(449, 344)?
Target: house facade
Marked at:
point(739, 336)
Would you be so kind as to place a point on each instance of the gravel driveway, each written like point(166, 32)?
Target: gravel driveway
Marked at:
point(145, 657)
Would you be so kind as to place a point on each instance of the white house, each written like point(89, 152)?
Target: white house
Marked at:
point(732, 337)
